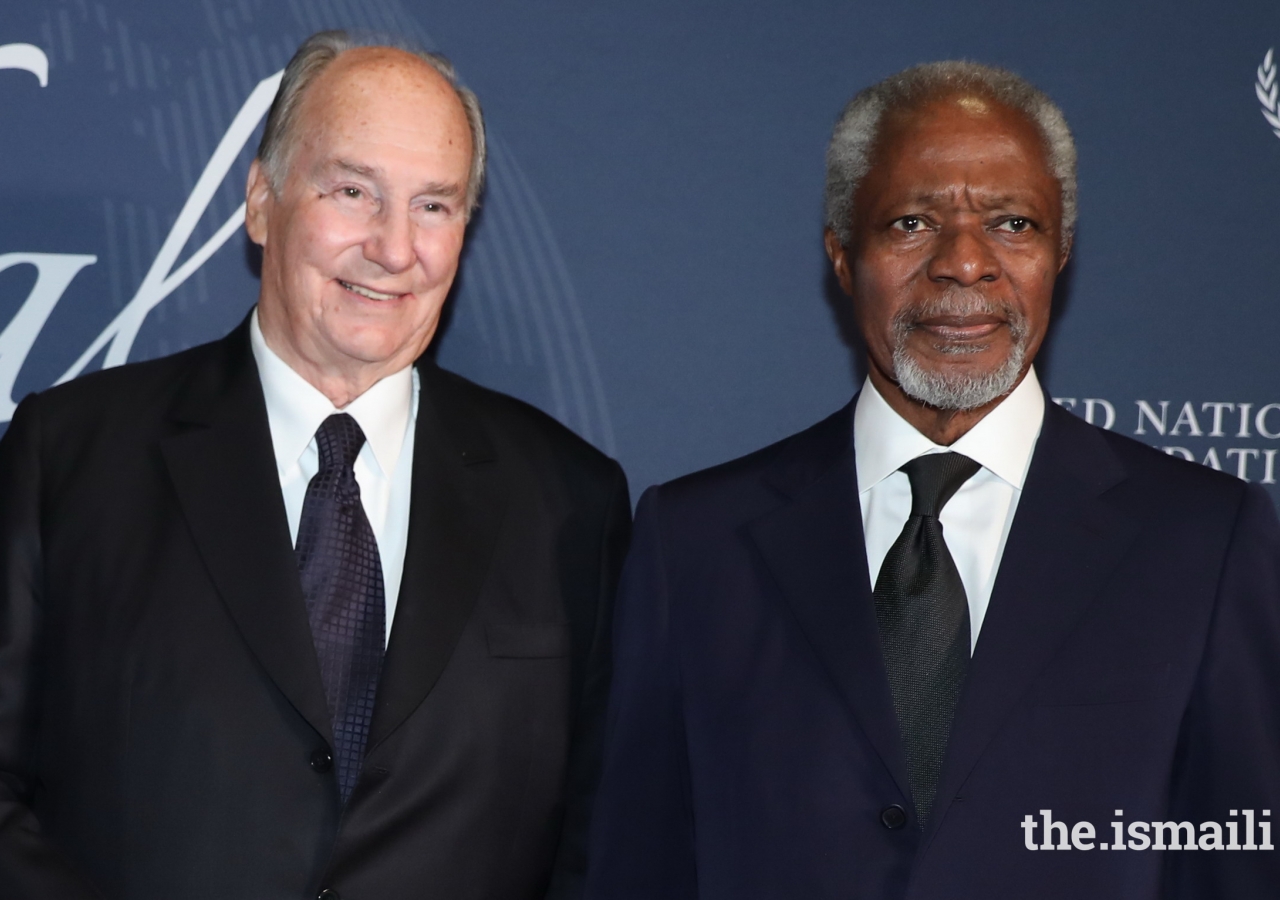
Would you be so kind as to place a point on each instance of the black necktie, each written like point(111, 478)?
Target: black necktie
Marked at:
point(342, 583)
point(924, 623)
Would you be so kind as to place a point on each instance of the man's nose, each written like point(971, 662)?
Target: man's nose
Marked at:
point(390, 241)
point(964, 255)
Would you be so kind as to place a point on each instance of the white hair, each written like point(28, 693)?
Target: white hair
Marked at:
point(854, 137)
point(313, 57)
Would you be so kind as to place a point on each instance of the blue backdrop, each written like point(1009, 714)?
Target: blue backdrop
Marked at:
point(647, 265)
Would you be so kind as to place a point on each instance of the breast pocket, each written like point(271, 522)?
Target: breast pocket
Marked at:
point(509, 639)
point(1098, 687)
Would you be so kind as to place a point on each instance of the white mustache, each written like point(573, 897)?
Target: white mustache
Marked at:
point(960, 303)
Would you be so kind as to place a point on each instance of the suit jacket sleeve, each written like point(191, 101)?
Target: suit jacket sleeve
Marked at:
point(1230, 738)
point(31, 867)
point(642, 832)
point(593, 685)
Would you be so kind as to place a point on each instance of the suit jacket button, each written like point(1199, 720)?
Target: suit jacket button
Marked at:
point(893, 817)
point(322, 761)
point(328, 894)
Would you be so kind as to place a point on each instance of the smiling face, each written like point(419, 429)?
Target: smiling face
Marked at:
point(361, 243)
point(956, 242)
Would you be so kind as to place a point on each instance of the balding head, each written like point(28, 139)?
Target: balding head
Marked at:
point(322, 51)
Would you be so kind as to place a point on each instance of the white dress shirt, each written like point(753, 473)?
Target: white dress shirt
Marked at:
point(976, 521)
point(386, 413)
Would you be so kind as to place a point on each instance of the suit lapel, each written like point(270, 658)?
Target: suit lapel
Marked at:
point(456, 510)
point(222, 467)
point(814, 547)
point(1065, 540)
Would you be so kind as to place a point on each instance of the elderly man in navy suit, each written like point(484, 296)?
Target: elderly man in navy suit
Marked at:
point(952, 641)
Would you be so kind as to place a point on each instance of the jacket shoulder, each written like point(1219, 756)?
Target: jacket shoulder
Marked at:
point(516, 428)
point(1169, 500)
point(122, 393)
point(748, 485)
point(1148, 469)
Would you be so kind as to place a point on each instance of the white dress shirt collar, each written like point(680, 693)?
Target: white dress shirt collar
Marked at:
point(295, 408)
point(1002, 442)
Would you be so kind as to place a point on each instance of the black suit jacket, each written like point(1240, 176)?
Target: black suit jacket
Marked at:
point(1129, 660)
point(160, 700)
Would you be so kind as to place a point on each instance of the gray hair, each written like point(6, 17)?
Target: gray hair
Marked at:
point(312, 58)
point(854, 137)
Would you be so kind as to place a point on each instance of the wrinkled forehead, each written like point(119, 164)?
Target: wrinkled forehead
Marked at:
point(957, 118)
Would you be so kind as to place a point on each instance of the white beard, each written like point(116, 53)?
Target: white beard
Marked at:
point(959, 390)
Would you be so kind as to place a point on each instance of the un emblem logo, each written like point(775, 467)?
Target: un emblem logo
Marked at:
point(1268, 91)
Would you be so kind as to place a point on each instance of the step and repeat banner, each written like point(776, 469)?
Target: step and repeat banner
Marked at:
point(647, 265)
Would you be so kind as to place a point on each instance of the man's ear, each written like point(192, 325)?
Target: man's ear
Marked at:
point(1066, 254)
point(839, 257)
point(258, 197)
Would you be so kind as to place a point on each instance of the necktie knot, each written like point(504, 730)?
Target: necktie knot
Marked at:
point(338, 440)
point(935, 478)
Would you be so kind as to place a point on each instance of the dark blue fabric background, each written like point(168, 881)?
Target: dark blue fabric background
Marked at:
point(648, 263)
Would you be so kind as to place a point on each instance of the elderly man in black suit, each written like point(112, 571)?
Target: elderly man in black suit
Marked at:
point(297, 613)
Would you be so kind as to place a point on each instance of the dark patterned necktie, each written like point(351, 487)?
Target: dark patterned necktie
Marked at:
point(342, 583)
point(923, 616)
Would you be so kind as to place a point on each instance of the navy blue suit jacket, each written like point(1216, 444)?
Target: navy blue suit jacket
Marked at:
point(1129, 660)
